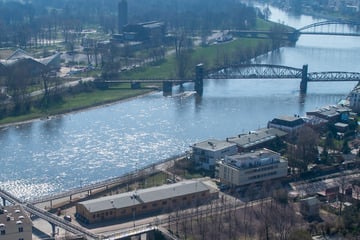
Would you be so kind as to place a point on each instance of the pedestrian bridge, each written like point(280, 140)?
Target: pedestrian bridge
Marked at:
point(51, 218)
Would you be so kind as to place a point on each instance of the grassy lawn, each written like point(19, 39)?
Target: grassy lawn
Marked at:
point(77, 102)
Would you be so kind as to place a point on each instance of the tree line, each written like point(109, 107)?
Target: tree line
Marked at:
point(39, 22)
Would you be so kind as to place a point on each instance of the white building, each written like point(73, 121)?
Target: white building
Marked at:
point(247, 168)
point(14, 224)
point(354, 99)
point(207, 153)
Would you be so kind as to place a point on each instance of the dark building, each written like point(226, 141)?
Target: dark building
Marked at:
point(122, 15)
point(150, 32)
point(288, 124)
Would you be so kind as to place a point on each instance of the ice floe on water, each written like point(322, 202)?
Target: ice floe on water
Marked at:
point(26, 190)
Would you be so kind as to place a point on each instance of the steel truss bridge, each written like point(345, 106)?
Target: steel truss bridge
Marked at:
point(267, 71)
point(248, 71)
point(254, 71)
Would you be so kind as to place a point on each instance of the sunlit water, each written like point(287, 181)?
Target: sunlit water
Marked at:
point(67, 151)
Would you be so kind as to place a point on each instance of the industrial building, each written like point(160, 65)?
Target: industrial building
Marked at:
point(23, 61)
point(247, 168)
point(15, 224)
point(131, 205)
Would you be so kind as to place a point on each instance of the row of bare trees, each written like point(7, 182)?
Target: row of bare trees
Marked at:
point(228, 218)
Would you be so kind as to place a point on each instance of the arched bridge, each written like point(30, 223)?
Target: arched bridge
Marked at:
point(331, 27)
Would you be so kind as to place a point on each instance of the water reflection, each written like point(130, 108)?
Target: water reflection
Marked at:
point(50, 156)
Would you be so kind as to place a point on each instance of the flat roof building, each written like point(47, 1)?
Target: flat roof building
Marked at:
point(288, 124)
point(256, 139)
point(15, 224)
point(332, 114)
point(205, 154)
point(248, 168)
point(144, 201)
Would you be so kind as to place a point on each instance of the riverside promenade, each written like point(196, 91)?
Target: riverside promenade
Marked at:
point(54, 201)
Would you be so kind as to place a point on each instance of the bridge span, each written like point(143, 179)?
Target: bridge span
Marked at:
point(330, 27)
point(268, 71)
point(248, 71)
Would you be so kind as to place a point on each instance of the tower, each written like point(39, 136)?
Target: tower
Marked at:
point(122, 15)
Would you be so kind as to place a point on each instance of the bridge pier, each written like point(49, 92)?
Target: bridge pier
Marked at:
point(294, 36)
point(135, 85)
point(53, 226)
point(3, 202)
point(304, 79)
point(167, 88)
point(199, 79)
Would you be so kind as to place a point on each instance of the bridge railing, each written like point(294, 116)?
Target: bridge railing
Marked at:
point(51, 218)
point(116, 180)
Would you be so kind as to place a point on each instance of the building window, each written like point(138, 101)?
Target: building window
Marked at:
point(2, 232)
point(164, 203)
point(21, 229)
point(21, 239)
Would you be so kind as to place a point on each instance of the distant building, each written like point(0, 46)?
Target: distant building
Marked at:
point(15, 224)
point(354, 99)
point(207, 153)
point(150, 32)
point(122, 15)
point(288, 124)
point(248, 168)
point(331, 114)
point(256, 139)
point(144, 202)
point(23, 61)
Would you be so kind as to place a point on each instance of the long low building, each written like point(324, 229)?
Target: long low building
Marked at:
point(144, 202)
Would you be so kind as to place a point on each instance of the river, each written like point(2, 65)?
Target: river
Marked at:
point(49, 156)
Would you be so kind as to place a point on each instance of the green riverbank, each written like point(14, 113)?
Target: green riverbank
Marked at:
point(213, 56)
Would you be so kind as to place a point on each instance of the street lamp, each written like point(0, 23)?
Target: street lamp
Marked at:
point(134, 196)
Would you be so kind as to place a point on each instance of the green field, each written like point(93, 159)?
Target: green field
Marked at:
point(212, 56)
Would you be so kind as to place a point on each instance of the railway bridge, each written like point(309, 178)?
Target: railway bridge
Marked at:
point(247, 71)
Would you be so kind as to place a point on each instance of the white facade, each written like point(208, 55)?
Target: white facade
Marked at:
point(14, 224)
point(243, 169)
point(354, 99)
point(207, 153)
